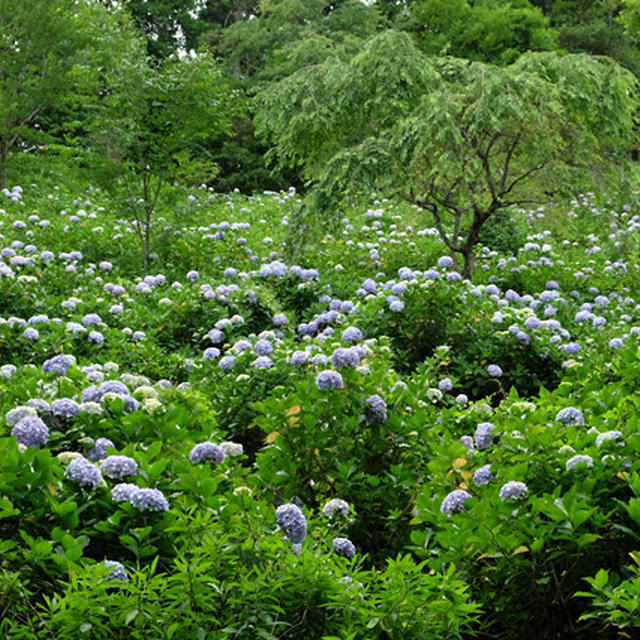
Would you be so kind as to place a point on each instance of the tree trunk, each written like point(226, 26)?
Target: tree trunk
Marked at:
point(4, 154)
point(469, 260)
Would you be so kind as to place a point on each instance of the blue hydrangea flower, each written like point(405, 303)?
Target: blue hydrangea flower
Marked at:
point(83, 473)
point(216, 336)
point(113, 386)
point(571, 348)
point(119, 466)
point(58, 365)
point(329, 379)
point(211, 353)
point(298, 358)
point(446, 384)
point(279, 319)
point(263, 362)
point(467, 443)
point(345, 357)
point(344, 547)
point(99, 449)
point(494, 370)
point(65, 408)
point(454, 501)
point(264, 347)
point(117, 571)
point(574, 461)
point(31, 334)
point(607, 436)
point(375, 409)
point(149, 500)
point(513, 489)
point(227, 363)
point(483, 436)
point(483, 475)
point(30, 431)
point(123, 492)
point(336, 505)
point(445, 262)
point(293, 523)
point(570, 416)
point(352, 334)
point(207, 451)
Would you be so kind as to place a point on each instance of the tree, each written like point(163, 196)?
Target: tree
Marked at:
point(38, 46)
point(145, 120)
point(488, 30)
point(460, 140)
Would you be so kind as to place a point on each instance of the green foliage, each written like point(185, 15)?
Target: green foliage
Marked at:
point(40, 42)
point(490, 31)
point(460, 140)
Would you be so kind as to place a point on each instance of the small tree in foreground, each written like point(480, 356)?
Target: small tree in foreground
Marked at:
point(458, 139)
point(145, 120)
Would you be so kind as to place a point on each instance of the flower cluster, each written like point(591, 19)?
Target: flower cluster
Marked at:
point(119, 466)
point(30, 431)
point(513, 489)
point(344, 547)
point(207, 451)
point(293, 523)
point(83, 473)
point(375, 409)
point(454, 501)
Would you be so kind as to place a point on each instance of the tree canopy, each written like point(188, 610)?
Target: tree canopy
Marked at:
point(459, 139)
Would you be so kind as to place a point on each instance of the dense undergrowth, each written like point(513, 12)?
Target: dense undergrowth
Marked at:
point(458, 460)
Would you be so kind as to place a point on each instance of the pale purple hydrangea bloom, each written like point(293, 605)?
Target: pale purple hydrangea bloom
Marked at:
point(571, 348)
point(264, 347)
point(319, 359)
point(345, 357)
point(483, 475)
point(113, 386)
point(119, 466)
point(207, 451)
point(31, 334)
point(30, 431)
point(446, 384)
point(216, 336)
point(227, 363)
point(123, 492)
point(336, 505)
point(99, 449)
point(96, 337)
point(91, 319)
point(293, 523)
point(483, 436)
point(467, 443)
point(513, 489)
point(263, 362)
point(58, 365)
point(149, 500)
point(279, 319)
point(352, 334)
point(329, 379)
point(570, 416)
point(494, 370)
point(574, 461)
point(211, 353)
point(454, 502)
point(445, 262)
point(117, 571)
point(375, 409)
point(64, 408)
point(298, 358)
point(607, 436)
point(344, 547)
point(83, 473)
